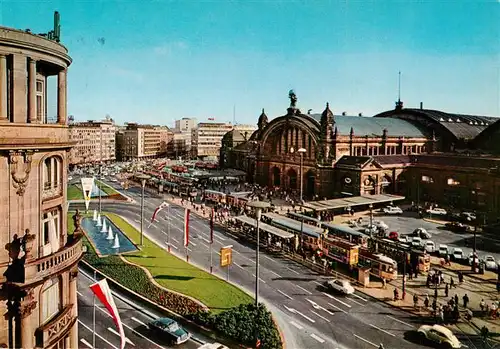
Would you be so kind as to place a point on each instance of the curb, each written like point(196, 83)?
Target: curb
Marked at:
point(473, 276)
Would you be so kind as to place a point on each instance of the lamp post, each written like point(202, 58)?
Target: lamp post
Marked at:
point(371, 221)
point(143, 178)
point(257, 206)
point(301, 152)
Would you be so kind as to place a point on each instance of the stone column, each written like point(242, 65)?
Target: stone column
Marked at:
point(73, 333)
point(27, 333)
point(3, 88)
point(61, 97)
point(32, 112)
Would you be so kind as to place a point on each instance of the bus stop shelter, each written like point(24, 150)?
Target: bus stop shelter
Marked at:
point(353, 201)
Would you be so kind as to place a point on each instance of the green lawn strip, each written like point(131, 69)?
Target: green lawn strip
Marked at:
point(177, 275)
point(107, 189)
point(74, 192)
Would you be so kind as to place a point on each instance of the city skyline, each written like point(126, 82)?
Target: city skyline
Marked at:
point(158, 62)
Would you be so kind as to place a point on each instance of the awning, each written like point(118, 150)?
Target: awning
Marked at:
point(265, 227)
point(294, 225)
point(352, 201)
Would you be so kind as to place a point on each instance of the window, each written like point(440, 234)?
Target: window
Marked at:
point(51, 173)
point(427, 179)
point(51, 300)
point(40, 100)
point(451, 181)
point(51, 225)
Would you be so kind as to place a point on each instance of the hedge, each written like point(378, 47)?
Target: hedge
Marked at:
point(238, 323)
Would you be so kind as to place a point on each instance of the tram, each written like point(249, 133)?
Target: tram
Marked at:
point(418, 259)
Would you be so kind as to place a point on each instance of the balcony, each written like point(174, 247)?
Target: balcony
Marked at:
point(51, 190)
point(52, 331)
point(33, 136)
point(41, 268)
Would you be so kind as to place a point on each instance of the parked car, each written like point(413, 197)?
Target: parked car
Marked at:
point(430, 246)
point(339, 285)
point(490, 263)
point(468, 216)
point(456, 227)
point(443, 250)
point(471, 257)
point(416, 242)
point(393, 235)
point(437, 211)
point(421, 233)
point(170, 330)
point(392, 210)
point(440, 335)
point(457, 254)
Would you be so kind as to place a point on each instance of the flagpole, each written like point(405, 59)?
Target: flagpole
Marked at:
point(93, 314)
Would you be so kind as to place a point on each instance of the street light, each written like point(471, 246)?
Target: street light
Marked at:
point(301, 152)
point(257, 206)
point(143, 178)
point(371, 220)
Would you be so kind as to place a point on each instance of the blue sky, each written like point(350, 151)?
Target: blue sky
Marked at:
point(163, 60)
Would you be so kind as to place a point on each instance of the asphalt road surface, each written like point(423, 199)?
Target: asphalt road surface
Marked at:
point(309, 317)
point(134, 319)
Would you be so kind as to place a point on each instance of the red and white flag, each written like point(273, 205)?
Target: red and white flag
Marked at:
point(158, 209)
point(186, 227)
point(102, 291)
point(212, 226)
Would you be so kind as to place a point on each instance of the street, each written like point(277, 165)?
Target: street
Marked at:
point(309, 317)
point(134, 321)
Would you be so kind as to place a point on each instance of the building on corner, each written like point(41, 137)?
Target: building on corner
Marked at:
point(140, 142)
point(206, 139)
point(39, 262)
point(94, 142)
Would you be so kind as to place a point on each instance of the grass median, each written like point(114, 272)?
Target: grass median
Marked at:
point(75, 191)
point(174, 273)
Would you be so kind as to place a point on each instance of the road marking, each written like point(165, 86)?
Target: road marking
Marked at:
point(317, 283)
point(97, 334)
point(404, 323)
point(175, 240)
point(296, 272)
point(278, 275)
point(378, 328)
point(137, 221)
point(317, 306)
point(138, 321)
point(126, 338)
point(79, 293)
point(338, 300)
point(324, 318)
point(174, 246)
point(284, 294)
point(206, 240)
point(204, 244)
point(342, 310)
point(291, 323)
point(239, 266)
point(192, 243)
point(269, 258)
point(291, 310)
point(259, 279)
point(236, 252)
point(365, 340)
point(85, 342)
point(318, 338)
point(303, 289)
point(355, 295)
point(358, 303)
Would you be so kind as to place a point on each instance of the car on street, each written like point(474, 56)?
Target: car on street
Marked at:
point(392, 210)
point(416, 242)
point(439, 335)
point(490, 263)
point(471, 258)
point(468, 216)
point(457, 227)
point(169, 330)
point(437, 211)
point(443, 250)
point(430, 246)
point(421, 233)
point(339, 285)
point(457, 255)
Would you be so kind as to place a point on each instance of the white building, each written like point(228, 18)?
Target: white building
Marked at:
point(206, 139)
point(95, 142)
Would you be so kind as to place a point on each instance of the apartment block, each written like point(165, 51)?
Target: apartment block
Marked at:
point(143, 141)
point(95, 142)
point(206, 139)
point(185, 125)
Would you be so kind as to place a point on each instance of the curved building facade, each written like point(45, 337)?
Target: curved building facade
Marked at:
point(38, 259)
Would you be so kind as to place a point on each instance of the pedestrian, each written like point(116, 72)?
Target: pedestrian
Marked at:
point(396, 294)
point(452, 282)
point(482, 304)
point(446, 290)
point(441, 315)
point(426, 301)
point(466, 300)
point(456, 299)
point(460, 277)
point(415, 300)
point(384, 286)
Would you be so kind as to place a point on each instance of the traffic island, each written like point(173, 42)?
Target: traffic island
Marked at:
point(184, 289)
point(75, 192)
